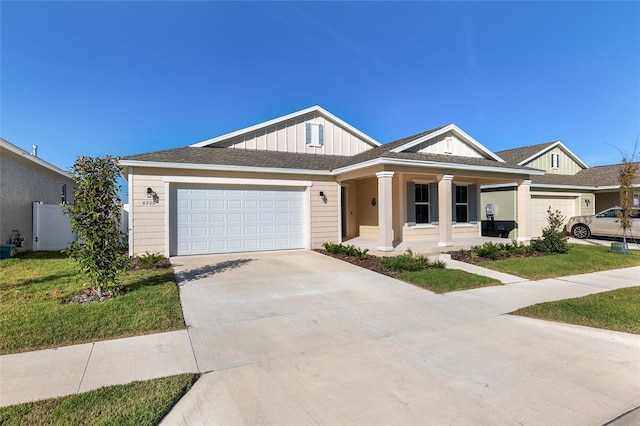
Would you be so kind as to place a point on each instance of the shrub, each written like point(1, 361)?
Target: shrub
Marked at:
point(553, 238)
point(493, 251)
point(151, 260)
point(347, 250)
point(407, 262)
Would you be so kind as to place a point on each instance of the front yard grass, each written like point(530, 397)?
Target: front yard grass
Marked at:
point(617, 310)
point(445, 280)
point(580, 259)
point(32, 317)
point(137, 403)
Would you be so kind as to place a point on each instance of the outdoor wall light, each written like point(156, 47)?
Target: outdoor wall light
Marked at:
point(324, 197)
point(373, 201)
point(152, 194)
point(587, 202)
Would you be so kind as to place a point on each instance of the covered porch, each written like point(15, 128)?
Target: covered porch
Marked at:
point(427, 209)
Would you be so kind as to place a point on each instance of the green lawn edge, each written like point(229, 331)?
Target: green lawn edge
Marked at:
point(32, 317)
point(580, 259)
point(616, 310)
point(137, 403)
point(440, 280)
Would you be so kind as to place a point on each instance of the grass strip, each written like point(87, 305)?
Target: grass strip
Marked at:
point(581, 259)
point(617, 310)
point(445, 280)
point(137, 403)
point(32, 317)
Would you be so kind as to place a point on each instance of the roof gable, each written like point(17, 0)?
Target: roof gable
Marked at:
point(32, 158)
point(446, 140)
point(289, 133)
point(525, 155)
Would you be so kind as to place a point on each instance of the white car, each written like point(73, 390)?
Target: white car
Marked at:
point(605, 223)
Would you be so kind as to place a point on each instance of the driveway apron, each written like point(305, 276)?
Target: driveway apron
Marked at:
point(297, 337)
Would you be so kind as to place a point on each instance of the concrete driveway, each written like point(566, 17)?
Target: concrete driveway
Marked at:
point(300, 338)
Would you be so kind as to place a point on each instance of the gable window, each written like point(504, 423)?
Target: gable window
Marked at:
point(314, 135)
point(422, 203)
point(555, 161)
point(63, 194)
point(462, 204)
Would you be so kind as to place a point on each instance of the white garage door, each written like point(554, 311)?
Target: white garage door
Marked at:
point(213, 219)
point(539, 206)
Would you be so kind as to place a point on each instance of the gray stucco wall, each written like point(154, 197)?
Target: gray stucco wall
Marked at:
point(21, 183)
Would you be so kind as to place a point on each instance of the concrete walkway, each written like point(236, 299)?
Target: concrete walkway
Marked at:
point(299, 337)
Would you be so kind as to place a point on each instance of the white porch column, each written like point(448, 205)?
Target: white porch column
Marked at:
point(385, 211)
point(445, 211)
point(524, 207)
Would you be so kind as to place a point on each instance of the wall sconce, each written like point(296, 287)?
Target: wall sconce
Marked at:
point(587, 202)
point(152, 194)
point(373, 201)
point(324, 197)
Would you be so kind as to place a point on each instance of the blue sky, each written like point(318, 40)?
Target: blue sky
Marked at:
point(119, 78)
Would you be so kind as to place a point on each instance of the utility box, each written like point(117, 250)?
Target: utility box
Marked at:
point(7, 250)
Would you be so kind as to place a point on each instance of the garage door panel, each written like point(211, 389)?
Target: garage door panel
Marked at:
point(217, 220)
point(540, 205)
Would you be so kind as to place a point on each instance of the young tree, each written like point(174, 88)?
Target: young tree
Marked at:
point(627, 178)
point(95, 216)
point(553, 238)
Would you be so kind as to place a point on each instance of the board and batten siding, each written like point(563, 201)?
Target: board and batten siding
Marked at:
point(567, 164)
point(442, 145)
point(290, 136)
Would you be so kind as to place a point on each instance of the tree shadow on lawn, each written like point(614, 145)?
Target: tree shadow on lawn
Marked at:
point(206, 271)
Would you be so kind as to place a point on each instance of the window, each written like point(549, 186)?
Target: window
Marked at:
point(555, 161)
point(63, 194)
point(315, 135)
point(462, 204)
point(422, 203)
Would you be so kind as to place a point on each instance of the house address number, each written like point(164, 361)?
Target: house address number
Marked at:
point(149, 203)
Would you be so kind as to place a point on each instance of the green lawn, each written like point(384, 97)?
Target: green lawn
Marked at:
point(137, 403)
point(444, 280)
point(617, 310)
point(580, 259)
point(31, 316)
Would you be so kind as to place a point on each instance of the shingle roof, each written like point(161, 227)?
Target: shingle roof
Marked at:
point(595, 176)
point(242, 157)
point(282, 160)
point(516, 155)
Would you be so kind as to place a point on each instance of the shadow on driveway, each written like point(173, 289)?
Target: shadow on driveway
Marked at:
point(183, 277)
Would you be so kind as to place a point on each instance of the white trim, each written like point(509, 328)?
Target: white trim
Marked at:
point(549, 148)
point(314, 109)
point(385, 248)
point(214, 167)
point(384, 174)
point(464, 224)
point(167, 219)
point(235, 181)
point(421, 225)
point(434, 164)
point(555, 194)
point(450, 128)
point(39, 161)
point(131, 207)
point(307, 218)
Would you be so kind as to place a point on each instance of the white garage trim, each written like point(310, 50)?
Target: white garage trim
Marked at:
point(236, 181)
point(173, 184)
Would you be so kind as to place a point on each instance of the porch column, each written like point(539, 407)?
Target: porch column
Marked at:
point(445, 211)
point(524, 206)
point(385, 211)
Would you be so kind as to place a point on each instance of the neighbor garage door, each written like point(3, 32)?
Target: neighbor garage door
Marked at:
point(212, 219)
point(539, 206)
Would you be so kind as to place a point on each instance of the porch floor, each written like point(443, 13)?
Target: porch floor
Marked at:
point(421, 247)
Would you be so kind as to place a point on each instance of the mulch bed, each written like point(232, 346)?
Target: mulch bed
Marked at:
point(371, 262)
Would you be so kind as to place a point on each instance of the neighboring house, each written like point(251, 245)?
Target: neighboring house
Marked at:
point(307, 178)
point(25, 179)
point(568, 185)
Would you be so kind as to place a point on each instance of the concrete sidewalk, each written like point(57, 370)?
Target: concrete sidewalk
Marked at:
point(50, 373)
point(405, 317)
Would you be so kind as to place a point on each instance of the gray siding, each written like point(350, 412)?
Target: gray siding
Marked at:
point(21, 183)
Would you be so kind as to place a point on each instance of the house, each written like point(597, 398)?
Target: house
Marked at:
point(309, 177)
point(24, 179)
point(568, 185)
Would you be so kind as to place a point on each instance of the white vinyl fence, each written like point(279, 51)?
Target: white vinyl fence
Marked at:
point(51, 228)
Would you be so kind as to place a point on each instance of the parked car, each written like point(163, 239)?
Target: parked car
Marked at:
point(605, 223)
